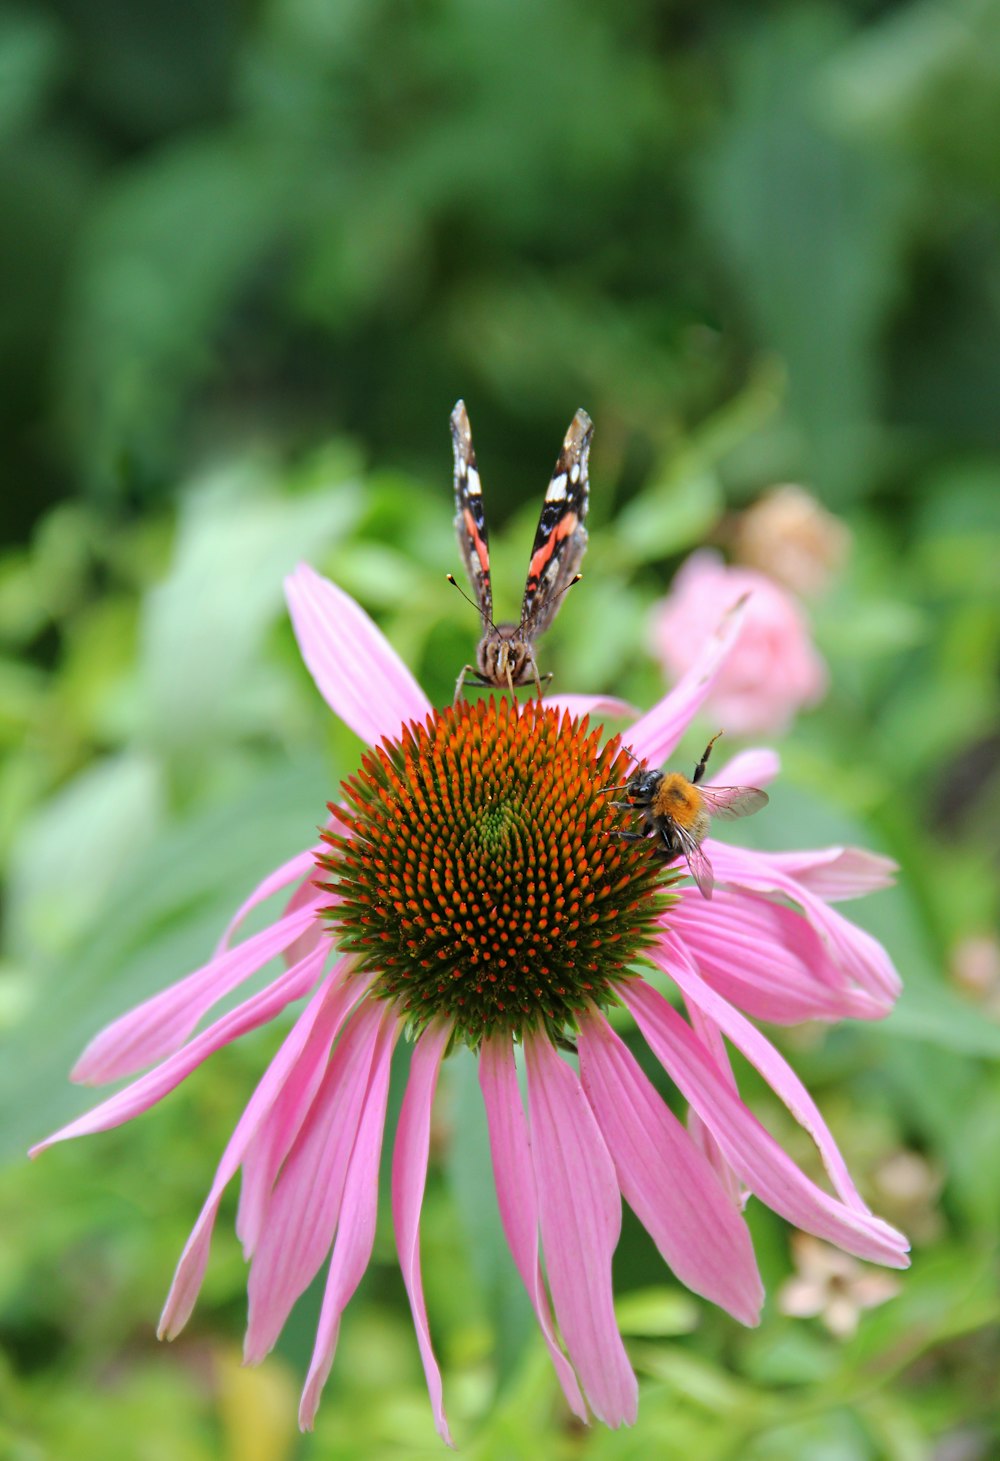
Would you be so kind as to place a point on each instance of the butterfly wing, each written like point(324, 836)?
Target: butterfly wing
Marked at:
point(733, 801)
point(470, 516)
point(561, 537)
point(697, 861)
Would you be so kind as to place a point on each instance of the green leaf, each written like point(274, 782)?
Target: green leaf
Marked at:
point(160, 920)
point(203, 627)
point(657, 1311)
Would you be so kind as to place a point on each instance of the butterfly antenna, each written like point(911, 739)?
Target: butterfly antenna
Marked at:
point(565, 589)
point(455, 584)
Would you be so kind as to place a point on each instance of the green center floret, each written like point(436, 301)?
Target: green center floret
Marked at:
point(480, 878)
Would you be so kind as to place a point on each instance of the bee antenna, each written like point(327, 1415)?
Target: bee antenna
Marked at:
point(565, 589)
point(455, 584)
point(624, 786)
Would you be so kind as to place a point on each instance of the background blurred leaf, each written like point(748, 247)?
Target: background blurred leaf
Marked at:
point(203, 626)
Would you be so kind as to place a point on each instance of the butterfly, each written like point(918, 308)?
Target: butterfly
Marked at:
point(506, 653)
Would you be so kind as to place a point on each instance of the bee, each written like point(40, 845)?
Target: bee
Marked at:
point(506, 653)
point(676, 813)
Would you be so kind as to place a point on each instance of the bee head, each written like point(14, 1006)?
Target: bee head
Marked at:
point(643, 786)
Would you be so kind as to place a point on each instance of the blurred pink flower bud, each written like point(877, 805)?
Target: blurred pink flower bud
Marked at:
point(789, 536)
point(774, 669)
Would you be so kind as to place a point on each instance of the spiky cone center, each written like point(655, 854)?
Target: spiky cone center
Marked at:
point(479, 877)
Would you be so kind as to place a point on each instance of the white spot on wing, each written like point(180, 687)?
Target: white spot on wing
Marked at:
point(472, 482)
point(557, 488)
point(574, 472)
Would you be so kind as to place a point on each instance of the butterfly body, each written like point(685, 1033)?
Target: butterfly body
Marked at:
point(505, 657)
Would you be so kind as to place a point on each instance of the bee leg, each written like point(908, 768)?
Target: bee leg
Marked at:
point(628, 836)
point(624, 806)
point(699, 770)
point(466, 670)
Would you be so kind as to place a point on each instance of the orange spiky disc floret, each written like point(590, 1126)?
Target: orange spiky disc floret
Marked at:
point(479, 877)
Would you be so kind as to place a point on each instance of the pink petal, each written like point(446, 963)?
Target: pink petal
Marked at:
point(160, 1025)
point(757, 767)
point(307, 895)
point(860, 956)
point(301, 1218)
point(748, 1148)
point(836, 873)
point(656, 733)
point(299, 1063)
point(302, 865)
point(666, 1180)
point(715, 1047)
point(671, 956)
point(580, 1213)
point(593, 705)
point(766, 959)
point(510, 1149)
point(157, 1083)
point(409, 1178)
point(356, 670)
point(356, 1229)
point(269, 1145)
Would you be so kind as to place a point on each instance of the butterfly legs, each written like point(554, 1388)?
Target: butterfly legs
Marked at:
point(477, 679)
point(466, 670)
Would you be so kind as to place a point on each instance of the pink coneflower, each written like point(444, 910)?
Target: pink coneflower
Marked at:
point(470, 891)
point(775, 671)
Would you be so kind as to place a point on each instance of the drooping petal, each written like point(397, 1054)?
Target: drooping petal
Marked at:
point(356, 1229)
point(301, 1217)
point(666, 1180)
point(308, 895)
point(671, 956)
point(767, 959)
point(302, 865)
point(409, 1178)
point(356, 670)
point(715, 1048)
point(157, 1083)
point(837, 873)
point(755, 767)
point(580, 1214)
point(298, 1066)
point(860, 956)
point(580, 705)
point(517, 1200)
point(656, 733)
point(268, 1145)
point(161, 1024)
point(748, 1147)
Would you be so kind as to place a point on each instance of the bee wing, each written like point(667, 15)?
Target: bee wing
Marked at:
point(697, 861)
point(561, 537)
point(470, 516)
point(733, 801)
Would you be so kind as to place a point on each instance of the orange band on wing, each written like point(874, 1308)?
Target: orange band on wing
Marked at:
point(482, 551)
point(542, 555)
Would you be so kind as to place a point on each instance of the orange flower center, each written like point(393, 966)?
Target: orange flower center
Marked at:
point(480, 877)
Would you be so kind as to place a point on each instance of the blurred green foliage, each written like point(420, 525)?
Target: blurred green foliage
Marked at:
point(249, 257)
